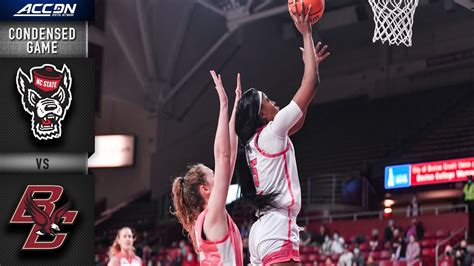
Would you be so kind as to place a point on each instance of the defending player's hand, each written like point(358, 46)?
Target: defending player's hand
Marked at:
point(219, 88)
point(320, 53)
point(301, 21)
point(238, 91)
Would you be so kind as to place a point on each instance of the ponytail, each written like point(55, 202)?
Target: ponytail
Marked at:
point(187, 200)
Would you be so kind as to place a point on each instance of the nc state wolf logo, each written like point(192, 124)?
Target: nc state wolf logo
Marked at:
point(46, 96)
point(45, 217)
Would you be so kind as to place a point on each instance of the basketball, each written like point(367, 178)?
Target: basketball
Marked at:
point(317, 8)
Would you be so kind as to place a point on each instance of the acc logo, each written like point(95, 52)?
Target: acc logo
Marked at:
point(47, 10)
point(46, 96)
point(44, 216)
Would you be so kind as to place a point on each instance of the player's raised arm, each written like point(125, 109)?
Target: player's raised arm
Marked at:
point(320, 55)
point(233, 136)
point(215, 224)
point(310, 80)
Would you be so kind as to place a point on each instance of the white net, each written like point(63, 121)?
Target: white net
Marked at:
point(393, 20)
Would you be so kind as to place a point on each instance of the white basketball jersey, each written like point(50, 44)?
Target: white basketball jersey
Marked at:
point(276, 173)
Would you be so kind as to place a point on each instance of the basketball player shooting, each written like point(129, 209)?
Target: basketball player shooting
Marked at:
point(266, 165)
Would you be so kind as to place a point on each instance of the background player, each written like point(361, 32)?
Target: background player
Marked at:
point(122, 252)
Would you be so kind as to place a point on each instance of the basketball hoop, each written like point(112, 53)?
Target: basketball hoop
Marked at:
point(393, 20)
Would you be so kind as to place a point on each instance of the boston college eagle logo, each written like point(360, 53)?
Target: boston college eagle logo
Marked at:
point(48, 225)
point(46, 96)
point(37, 207)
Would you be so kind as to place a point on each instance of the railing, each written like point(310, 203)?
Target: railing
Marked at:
point(446, 240)
point(379, 214)
point(328, 189)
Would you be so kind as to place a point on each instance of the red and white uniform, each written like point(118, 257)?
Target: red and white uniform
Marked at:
point(227, 251)
point(274, 237)
point(124, 261)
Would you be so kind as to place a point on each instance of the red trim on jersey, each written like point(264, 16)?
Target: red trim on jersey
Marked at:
point(289, 223)
point(207, 242)
point(288, 180)
point(238, 249)
point(284, 254)
point(269, 155)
